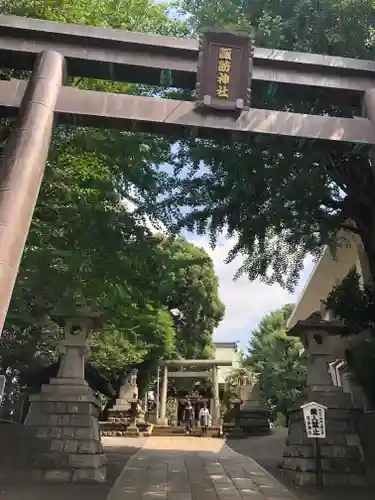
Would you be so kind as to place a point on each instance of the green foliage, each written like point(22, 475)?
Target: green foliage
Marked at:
point(360, 315)
point(190, 291)
point(361, 364)
point(353, 303)
point(277, 362)
point(279, 200)
point(89, 242)
point(141, 15)
point(280, 420)
point(320, 26)
point(233, 382)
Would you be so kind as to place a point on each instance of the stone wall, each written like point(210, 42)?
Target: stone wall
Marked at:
point(341, 452)
point(20, 451)
point(366, 433)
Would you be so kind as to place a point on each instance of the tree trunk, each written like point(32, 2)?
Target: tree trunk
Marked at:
point(368, 241)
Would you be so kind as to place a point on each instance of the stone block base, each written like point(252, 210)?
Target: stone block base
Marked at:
point(367, 437)
point(253, 420)
point(123, 416)
point(66, 420)
point(309, 479)
point(233, 431)
point(111, 428)
point(341, 453)
point(23, 449)
point(132, 431)
point(162, 421)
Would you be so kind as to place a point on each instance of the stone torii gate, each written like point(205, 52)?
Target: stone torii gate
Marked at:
point(212, 364)
point(139, 58)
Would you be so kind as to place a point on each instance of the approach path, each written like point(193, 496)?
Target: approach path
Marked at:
point(189, 468)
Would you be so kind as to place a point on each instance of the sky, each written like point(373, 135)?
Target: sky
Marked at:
point(246, 302)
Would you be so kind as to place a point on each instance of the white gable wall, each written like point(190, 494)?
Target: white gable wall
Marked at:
point(226, 351)
point(328, 273)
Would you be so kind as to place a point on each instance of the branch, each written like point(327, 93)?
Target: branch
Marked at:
point(343, 225)
point(336, 176)
point(353, 229)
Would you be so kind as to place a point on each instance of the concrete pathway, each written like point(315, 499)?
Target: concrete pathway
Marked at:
point(189, 468)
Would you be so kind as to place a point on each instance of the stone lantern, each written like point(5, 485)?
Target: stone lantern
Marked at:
point(316, 335)
point(74, 349)
point(341, 454)
point(65, 414)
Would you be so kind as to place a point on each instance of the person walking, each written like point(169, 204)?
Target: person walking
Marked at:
point(204, 419)
point(188, 417)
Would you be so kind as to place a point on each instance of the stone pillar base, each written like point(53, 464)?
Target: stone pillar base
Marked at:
point(122, 405)
point(65, 416)
point(162, 421)
point(341, 452)
point(253, 418)
point(119, 416)
point(132, 431)
point(152, 417)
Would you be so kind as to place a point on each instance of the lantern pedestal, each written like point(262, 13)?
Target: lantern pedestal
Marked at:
point(342, 460)
point(65, 414)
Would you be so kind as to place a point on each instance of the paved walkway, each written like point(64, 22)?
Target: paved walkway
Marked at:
point(118, 451)
point(188, 468)
point(267, 451)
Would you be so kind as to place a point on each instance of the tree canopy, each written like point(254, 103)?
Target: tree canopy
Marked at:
point(190, 291)
point(277, 362)
point(280, 200)
point(159, 295)
point(356, 319)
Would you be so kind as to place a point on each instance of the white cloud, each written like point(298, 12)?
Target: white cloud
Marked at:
point(246, 302)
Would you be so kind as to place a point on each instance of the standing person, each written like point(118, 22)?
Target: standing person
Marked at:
point(188, 417)
point(204, 419)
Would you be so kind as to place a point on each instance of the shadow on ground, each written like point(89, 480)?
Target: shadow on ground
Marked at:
point(268, 450)
point(118, 451)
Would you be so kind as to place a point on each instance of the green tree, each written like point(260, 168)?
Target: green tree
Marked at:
point(173, 315)
point(277, 362)
point(281, 201)
point(190, 290)
point(84, 242)
point(141, 15)
point(353, 303)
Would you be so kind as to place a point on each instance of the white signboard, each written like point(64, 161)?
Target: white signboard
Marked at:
point(2, 385)
point(314, 415)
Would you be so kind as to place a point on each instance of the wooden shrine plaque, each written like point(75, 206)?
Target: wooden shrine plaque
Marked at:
point(224, 71)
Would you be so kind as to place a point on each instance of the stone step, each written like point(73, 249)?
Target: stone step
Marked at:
point(120, 429)
point(163, 430)
point(238, 430)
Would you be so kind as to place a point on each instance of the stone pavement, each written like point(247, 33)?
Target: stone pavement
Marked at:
point(267, 451)
point(118, 451)
point(189, 468)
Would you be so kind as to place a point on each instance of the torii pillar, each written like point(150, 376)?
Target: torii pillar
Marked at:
point(22, 168)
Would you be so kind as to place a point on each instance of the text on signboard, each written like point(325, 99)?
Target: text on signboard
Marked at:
point(223, 66)
point(315, 423)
